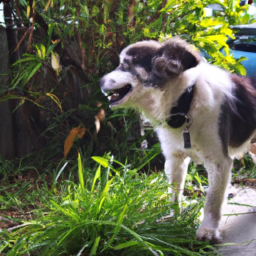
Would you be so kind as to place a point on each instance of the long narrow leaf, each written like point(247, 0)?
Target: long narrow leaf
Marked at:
point(101, 160)
point(125, 245)
point(25, 60)
point(97, 176)
point(59, 173)
point(50, 49)
point(147, 161)
point(80, 172)
point(82, 249)
point(117, 228)
point(64, 211)
point(34, 70)
point(95, 246)
point(56, 100)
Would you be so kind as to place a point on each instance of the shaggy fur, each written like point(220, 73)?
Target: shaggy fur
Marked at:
point(151, 77)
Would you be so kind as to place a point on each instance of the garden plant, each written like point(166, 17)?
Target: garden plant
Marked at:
point(111, 199)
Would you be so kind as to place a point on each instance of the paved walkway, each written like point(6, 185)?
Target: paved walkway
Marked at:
point(240, 229)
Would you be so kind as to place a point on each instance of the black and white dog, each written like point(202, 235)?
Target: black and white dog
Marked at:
point(198, 111)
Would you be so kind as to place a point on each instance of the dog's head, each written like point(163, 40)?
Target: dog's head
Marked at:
point(145, 65)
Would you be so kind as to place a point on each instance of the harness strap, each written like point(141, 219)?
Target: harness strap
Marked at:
point(179, 113)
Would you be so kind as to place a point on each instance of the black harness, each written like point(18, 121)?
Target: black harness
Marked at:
point(179, 114)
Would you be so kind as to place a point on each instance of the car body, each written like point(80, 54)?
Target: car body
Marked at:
point(244, 45)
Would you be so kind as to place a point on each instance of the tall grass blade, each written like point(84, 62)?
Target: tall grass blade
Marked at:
point(146, 162)
point(59, 173)
point(67, 234)
point(95, 246)
point(97, 176)
point(106, 163)
point(125, 245)
point(101, 160)
point(117, 228)
point(106, 189)
point(80, 172)
point(64, 211)
point(103, 195)
point(32, 72)
point(101, 203)
point(81, 251)
point(25, 60)
point(138, 237)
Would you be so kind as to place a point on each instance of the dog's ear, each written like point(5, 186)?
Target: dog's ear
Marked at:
point(174, 57)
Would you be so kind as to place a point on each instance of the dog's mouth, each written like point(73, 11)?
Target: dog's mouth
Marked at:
point(116, 96)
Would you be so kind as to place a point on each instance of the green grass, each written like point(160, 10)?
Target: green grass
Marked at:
point(114, 212)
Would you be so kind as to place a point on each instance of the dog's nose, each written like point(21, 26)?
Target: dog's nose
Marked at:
point(102, 81)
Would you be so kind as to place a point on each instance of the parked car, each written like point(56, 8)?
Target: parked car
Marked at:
point(245, 45)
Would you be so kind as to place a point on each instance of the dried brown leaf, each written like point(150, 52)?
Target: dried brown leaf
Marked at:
point(77, 131)
point(81, 132)
point(70, 140)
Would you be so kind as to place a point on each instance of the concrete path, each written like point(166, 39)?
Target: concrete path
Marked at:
point(239, 229)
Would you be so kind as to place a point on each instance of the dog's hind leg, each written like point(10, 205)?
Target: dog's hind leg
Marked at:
point(219, 177)
point(176, 170)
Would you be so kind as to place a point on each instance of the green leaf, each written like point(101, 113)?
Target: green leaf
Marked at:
point(230, 5)
point(80, 171)
point(117, 228)
point(59, 173)
point(82, 249)
point(97, 176)
point(50, 29)
point(146, 162)
point(240, 69)
point(95, 246)
point(106, 189)
point(51, 47)
point(64, 211)
point(26, 60)
point(33, 71)
point(101, 203)
point(101, 160)
point(125, 245)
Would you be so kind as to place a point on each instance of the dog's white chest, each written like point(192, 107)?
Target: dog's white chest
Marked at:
point(172, 143)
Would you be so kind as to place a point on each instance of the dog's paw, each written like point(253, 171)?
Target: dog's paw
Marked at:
point(203, 234)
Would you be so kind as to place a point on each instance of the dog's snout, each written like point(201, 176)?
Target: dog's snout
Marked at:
point(102, 81)
point(106, 81)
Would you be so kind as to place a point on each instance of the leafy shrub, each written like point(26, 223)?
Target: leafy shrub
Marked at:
point(107, 215)
point(70, 45)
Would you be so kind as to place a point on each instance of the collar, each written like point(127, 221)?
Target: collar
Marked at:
point(179, 113)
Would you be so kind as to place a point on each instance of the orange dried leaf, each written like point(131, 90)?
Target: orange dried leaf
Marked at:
point(77, 131)
point(70, 140)
point(81, 132)
point(55, 41)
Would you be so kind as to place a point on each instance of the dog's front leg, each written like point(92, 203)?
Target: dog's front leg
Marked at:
point(176, 170)
point(218, 176)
